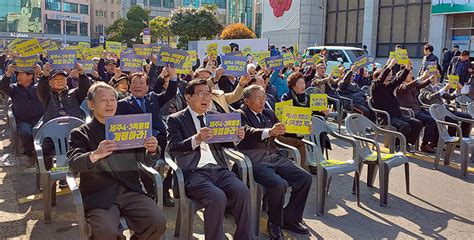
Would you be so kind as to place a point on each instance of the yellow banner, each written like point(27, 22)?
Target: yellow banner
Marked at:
point(336, 72)
point(187, 68)
point(314, 60)
point(29, 47)
point(114, 47)
point(212, 50)
point(192, 56)
point(403, 57)
point(297, 119)
point(246, 51)
point(279, 107)
point(288, 59)
point(226, 49)
point(319, 102)
point(260, 56)
point(453, 81)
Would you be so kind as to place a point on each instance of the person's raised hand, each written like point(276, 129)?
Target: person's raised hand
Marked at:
point(277, 130)
point(205, 134)
point(47, 68)
point(391, 62)
point(105, 148)
point(244, 80)
point(74, 73)
point(151, 144)
point(153, 58)
point(458, 87)
point(426, 74)
point(117, 73)
point(79, 69)
point(171, 71)
point(95, 74)
point(10, 70)
point(240, 133)
point(447, 87)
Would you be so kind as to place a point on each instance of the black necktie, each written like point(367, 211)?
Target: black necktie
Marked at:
point(260, 118)
point(201, 120)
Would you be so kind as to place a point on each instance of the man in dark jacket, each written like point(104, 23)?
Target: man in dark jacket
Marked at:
point(429, 57)
point(110, 184)
point(142, 101)
point(58, 100)
point(461, 66)
point(448, 56)
point(407, 94)
point(106, 68)
point(26, 106)
point(383, 98)
point(271, 169)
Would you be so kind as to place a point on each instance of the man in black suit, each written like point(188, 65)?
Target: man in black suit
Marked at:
point(142, 102)
point(271, 169)
point(110, 184)
point(207, 176)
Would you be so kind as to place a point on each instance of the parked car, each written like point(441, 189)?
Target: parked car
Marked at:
point(339, 54)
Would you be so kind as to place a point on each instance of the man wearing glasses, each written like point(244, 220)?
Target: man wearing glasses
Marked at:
point(208, 179)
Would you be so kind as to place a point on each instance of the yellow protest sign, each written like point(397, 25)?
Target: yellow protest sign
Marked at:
point(319, 102)
point(186, 69)
point(113, 47)
point(29, 47)
point(260, 56)
point(49, 45)
point(297, 119)
point(453, 81)
point(12, 44)
point(192, 56)
point(288, 59)
point(84, 44)
point(336, 72)
point(212, 50)
point(402, 57)
point(94, 52)
point(246, 51)
point(315, 59)
point(26, 63)
point(226, 49)
point(393, 55)
point(279, 107)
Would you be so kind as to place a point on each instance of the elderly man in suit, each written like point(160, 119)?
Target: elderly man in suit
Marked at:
point(432, 94)
point(271, 169)
point(110, 184)
point(208, 179)
point(142, 101)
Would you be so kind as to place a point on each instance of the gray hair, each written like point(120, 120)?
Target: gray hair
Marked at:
point(248, 91)
point(99, 85)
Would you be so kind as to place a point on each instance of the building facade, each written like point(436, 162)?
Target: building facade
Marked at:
point(66, 20)
point(156, 7)
point(378, 24)
point(103, 14)
point(21, 18)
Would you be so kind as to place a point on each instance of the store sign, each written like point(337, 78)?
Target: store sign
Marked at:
point(451, 6)
point(19, 35)
point(67, 17)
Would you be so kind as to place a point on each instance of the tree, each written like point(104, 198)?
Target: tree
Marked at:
point(192, 24)
point(237, 31)
point(160, 28)
point(129, 30)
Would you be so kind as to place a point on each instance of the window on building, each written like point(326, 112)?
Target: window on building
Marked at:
point(133, 2)
point(105, 14)
point(155, 3)
point(344, 22)
point(168, 3)
point(219, 3)
point(53, 26)
point(71, 28)
point(70, 7)
point(54, 5)
point(83, 29)
point(111, 1)
point(84, 9)
point(99, 13)
point(258, 25)
point(112, 15)
point(404, 22)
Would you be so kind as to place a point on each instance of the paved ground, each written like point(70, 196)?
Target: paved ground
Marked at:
point(441, 204)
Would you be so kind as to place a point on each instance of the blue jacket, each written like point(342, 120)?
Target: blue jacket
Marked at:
point(25, 103)
point(279, 83)
point(153, 103)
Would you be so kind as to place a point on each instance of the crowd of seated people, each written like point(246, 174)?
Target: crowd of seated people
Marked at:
point(179, 105)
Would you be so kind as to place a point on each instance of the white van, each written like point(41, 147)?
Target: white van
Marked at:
point(339, 54)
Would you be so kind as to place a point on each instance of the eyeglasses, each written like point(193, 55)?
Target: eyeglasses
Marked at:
point(203, 94)
point(264, 98)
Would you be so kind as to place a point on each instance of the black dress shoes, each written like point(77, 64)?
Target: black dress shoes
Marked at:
point(298, 228)
point(274, 231)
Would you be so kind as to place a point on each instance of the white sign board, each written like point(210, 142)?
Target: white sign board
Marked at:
point(256, 45)
point(280, 15)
